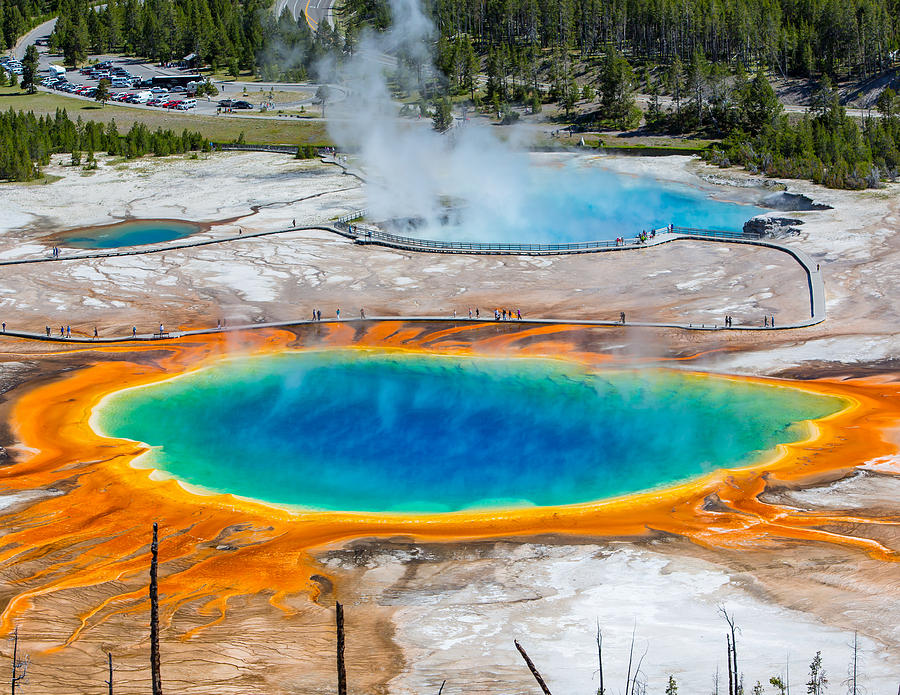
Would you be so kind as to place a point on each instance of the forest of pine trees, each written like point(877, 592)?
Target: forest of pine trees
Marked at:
point(27, 141)
point(19, 16)
point(231, 35)
point(790, 37)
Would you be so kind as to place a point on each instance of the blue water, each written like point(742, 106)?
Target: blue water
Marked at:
point(575, 203)
point(130, 233)
point(372, 431)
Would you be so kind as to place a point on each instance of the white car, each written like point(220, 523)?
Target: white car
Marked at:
point(186, 104)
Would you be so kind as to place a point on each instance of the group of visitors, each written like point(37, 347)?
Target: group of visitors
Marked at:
point(727, 322)
point(769, 321)
point(64, 331)
point(56, 252)
point(507, 315)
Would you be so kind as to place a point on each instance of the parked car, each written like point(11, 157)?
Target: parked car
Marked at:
point(170, 104)
point(225, 102)
point(155, 102)
point(186, 104)
point(242, 105)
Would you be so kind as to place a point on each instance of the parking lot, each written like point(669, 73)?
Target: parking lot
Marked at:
point(132, 84)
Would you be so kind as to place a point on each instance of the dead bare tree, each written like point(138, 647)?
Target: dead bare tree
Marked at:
point(109, 682)
point(19, 667)
point(532, 668)
point(638, 669)
point(630, 657)
point(853, 669)
point(735, 688)
point(600, 690)
point(341, 669)
point(155, 677)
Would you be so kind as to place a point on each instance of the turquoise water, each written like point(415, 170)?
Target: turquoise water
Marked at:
point(130, 233)
point(371, 431)
point(588, 203)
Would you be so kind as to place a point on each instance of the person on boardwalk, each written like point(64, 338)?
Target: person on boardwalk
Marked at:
point(766, 321)
point(134, 331)
point(362, 314)
point(68, 331)
point(622, 316)
point(339, 314)
point(518, 314)
point(161, 331)
point(62, 332)
point(95, 333)
point(314, 314)
point(48, 331)
point(4, 326)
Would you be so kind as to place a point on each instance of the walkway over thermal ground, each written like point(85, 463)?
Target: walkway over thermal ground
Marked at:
point(364, 236)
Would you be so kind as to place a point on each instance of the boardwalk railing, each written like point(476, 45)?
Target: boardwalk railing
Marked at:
point(367, 235)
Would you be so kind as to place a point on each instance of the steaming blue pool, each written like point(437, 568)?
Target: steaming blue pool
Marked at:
point(577, 202)
point(129, 233)
point(375, 431)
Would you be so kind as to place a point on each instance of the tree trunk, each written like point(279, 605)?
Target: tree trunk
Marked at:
point(600, 691)
point(342, 673)
point(156, 681)
point(730, 675)
point(110, 681)
point(15, 656)
point(532, 668)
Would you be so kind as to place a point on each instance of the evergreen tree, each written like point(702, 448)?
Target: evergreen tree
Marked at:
point(30, 69)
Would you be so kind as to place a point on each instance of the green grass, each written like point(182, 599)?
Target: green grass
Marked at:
point(216, 128)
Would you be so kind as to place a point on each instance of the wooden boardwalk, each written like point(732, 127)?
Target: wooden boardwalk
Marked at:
point(815, 284)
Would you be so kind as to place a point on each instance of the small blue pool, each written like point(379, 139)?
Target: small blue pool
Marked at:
point(129, 233)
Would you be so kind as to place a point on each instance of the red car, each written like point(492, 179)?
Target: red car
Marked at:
point(171, 104)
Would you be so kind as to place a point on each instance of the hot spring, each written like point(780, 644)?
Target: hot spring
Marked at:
point(380, 431)
point(578, 202)
point(129, 233)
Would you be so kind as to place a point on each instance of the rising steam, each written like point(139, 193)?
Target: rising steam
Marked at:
point(412, 170)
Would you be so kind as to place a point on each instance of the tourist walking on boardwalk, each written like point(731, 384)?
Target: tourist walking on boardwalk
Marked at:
point(477, 313)
point(518, 314)
point(4, 326)
point(622, 316)
point(62, 332)
point(339, 314)
point(362, 314)
point(161, 331)
point(95, 333)
point(134, 331)
point(68, 331)
point(470, 313)
point(314, 314)
point(48, 331)
point(318, 315)
point(766, 321)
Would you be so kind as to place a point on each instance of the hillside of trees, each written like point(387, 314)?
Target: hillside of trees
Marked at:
point(232, 35)
point(27, 141)
point(20, 16)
